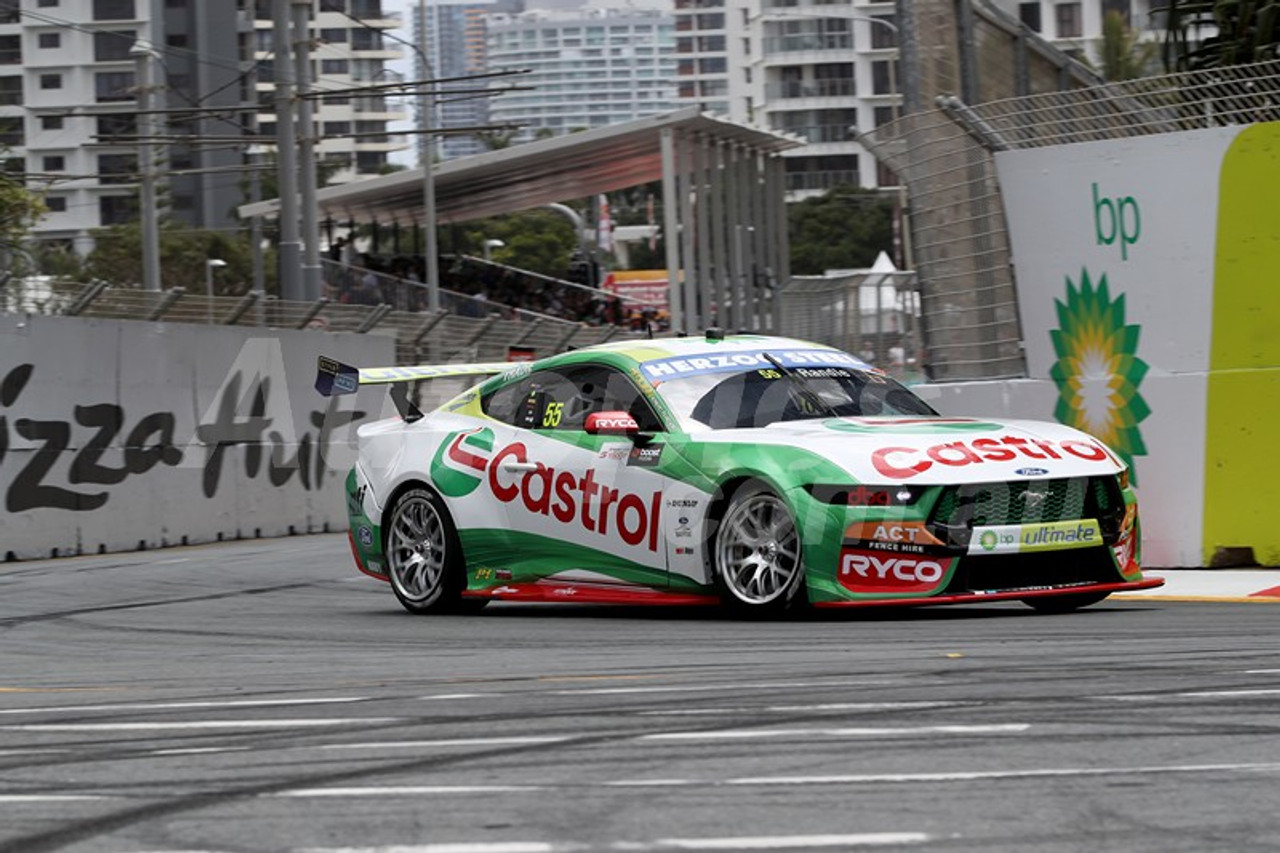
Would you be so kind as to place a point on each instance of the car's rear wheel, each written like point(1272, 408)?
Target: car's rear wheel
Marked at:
point(424, 557)
point(1064, 603)
point(758, 563)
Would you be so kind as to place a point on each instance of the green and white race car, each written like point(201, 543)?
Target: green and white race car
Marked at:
point(758, 472)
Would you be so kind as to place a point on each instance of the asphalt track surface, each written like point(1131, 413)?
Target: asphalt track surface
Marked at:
point(261, 696)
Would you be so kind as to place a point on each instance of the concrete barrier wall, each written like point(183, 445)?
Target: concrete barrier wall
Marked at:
point(116, 435)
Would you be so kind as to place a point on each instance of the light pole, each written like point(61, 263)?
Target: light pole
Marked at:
point(209, 266)
point(490, 245)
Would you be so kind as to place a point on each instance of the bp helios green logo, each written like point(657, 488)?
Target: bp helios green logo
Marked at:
point(1098, 370)
point(461, 460)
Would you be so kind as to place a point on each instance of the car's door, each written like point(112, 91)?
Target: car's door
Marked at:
point(583, 507)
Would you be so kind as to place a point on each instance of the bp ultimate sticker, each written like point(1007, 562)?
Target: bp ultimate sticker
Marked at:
point(1025, 538)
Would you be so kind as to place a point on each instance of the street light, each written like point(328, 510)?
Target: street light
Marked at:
point(209, 266)
point(490, 245)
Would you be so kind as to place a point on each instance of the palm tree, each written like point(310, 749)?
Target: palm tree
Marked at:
point(1121, 55)
point(1220, 33)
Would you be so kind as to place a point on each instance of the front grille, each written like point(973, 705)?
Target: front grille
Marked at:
point(999, 572)
point(960, 508)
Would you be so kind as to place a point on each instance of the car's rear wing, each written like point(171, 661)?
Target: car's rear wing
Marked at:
point(333, 378)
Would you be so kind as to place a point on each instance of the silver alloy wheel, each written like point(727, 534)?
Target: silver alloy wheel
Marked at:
point(758, 550)
point(416, 550)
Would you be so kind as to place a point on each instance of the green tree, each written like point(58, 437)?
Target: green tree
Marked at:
point(19, 210)
point(1220, 33)
point(536, 240)
point(1121, 54)
point(845, 228)
point(117, 257)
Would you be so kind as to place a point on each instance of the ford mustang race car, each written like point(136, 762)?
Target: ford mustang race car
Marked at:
point(758, 472)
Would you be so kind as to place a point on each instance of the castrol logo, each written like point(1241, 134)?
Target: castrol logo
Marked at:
point(569, 499)
point(902, 463)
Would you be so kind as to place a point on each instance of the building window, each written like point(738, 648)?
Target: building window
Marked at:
point(176, 40)
point(113, 86)
point(9, 13)
point(10, 50)
point(50, 81)
point(117, 168)
point(337, 36)
point(1068, 19)
point(50, 40)
point(113, 10)
point(119, 124)
point(885, 34)
point(882, 115)
point(113, 45)
point(51, 122)
point(882, 82)
point(11, 135)
point(56, 203)
point(117, 209)
point(47, 4)
point(10, 91)
point(1029, 14)
point(333, 66)
point(54, 163)
point(1121, 6)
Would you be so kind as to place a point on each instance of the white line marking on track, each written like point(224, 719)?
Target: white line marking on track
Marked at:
point(804, 709)
point(460, 847)
point(745, 734)
point(784, 842)
point(419, 744)
point(197, 724)
point(682, 688)
point(179, 706)
point(776, 842)
point(978, 775)
point(1190, 694)
point(1261, 671)
point(446, 696)
point(405, 791)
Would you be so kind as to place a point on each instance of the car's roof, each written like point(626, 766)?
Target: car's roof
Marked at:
point(675, 347)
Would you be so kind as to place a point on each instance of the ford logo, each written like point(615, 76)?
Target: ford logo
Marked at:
point(1031, 472)
point(365, 535)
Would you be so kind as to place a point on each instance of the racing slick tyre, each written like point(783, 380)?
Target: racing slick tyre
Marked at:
point(756, 559)
point(424, 556)
point(1064, 603)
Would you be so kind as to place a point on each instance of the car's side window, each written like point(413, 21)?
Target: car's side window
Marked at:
point(562, 399)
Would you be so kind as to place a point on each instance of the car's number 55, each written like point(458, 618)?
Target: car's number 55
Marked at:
point(551, 417)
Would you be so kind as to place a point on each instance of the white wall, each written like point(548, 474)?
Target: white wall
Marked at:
point(116, 435)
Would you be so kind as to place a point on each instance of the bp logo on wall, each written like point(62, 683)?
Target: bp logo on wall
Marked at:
point(1098, 370)
point(461, 461)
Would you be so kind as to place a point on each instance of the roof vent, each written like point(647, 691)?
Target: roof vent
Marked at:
point(715, 333)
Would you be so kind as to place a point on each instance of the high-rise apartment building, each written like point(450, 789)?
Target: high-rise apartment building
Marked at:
point(454, 44)
point(811, 68)
point(70, 102)
point(588, 67)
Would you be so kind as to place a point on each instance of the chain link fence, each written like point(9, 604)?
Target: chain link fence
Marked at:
point(1018, 92)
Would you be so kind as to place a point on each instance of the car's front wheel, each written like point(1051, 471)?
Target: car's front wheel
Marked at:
point(757, 557)
point(424, 558)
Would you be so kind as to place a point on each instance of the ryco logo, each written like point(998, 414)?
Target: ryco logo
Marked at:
point(903, 463)
point(457, 467)
point(865, 571)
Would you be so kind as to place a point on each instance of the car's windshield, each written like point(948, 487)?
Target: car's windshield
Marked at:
point(762, 396)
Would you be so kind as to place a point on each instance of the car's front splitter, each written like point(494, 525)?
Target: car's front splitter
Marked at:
point(997, 595)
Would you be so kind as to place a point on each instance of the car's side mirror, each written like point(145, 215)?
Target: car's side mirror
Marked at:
point(611, 423)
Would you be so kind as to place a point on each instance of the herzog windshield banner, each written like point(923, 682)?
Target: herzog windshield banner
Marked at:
point(1144, 270)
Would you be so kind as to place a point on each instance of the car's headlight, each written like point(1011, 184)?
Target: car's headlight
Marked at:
point(863, 495)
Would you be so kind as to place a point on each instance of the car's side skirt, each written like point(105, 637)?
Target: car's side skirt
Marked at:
point(998, 595)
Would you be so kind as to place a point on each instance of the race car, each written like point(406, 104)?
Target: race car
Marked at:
point(760, 473)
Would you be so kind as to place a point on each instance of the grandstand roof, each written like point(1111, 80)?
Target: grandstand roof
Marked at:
point(558, 169)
